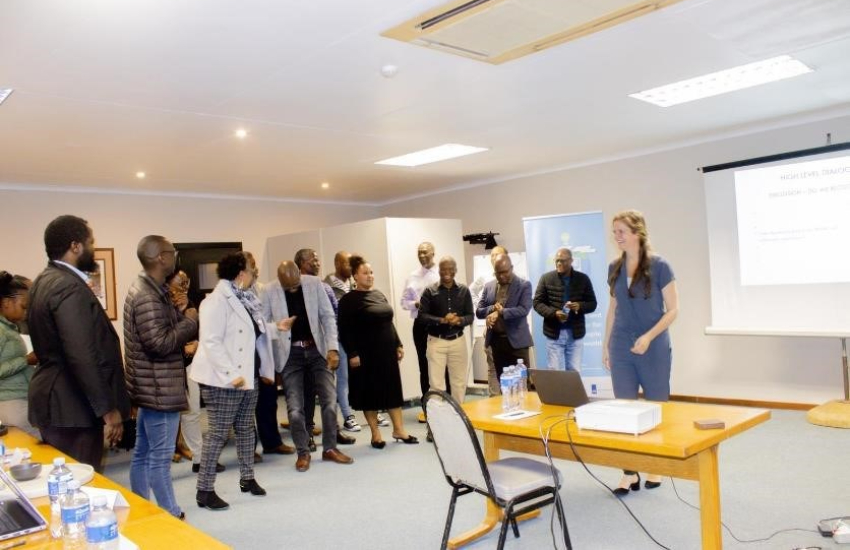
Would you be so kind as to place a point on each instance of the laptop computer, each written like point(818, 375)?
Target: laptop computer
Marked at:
point(18, 516)
point(560, 387)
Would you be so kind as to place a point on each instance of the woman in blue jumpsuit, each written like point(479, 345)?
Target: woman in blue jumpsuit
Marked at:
point(644, 303)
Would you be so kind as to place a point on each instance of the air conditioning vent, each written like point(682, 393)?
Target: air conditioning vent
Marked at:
point(497, 31)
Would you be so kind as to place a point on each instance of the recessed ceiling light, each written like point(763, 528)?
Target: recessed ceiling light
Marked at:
point(241, 133)
point(434, 154)
point(4, 93)
point(721, 82)
point(325, 185)
point(140, 175)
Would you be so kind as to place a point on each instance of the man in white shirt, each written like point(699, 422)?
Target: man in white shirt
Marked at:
point(420, 279)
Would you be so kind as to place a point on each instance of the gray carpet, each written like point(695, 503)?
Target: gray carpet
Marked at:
point(784, 474)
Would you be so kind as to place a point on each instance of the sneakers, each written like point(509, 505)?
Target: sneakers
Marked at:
point(383, 421)
point(351, 425)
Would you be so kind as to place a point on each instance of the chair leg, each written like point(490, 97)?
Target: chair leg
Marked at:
point(562, 517)
point(515, 527)
point(506, 519)
point(449, 519)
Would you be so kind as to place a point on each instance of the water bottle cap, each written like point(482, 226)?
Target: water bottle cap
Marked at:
point(520, 362)
point(59, 461)
point(99, 500)
point(74, 484)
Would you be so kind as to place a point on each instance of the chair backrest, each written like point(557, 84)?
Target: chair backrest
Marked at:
point(455, 441)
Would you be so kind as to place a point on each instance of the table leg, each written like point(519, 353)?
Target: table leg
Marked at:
point(709, 499)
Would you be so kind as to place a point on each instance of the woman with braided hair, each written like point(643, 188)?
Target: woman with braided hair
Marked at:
point(644, 303)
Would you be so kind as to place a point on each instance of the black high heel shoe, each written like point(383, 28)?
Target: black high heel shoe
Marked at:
point(409, 440)
point(620, 491)
point(379, 444)
point(652, 484)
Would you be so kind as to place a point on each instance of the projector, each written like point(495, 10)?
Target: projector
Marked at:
point(618, 415)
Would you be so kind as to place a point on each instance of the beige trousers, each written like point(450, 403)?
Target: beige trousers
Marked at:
point(449, 354)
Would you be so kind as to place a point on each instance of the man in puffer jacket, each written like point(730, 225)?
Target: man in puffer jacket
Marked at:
point(154, 335)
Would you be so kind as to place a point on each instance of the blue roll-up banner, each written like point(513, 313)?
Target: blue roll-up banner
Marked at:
point(585, 235)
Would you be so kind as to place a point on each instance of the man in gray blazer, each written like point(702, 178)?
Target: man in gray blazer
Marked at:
point(505, 304)
point(305, 343)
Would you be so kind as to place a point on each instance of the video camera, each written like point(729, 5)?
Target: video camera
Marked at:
point(487, 239)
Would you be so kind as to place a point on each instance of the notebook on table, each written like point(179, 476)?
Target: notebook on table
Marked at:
point(560, 387)
point(18, 515)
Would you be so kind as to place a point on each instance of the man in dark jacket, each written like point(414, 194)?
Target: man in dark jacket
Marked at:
point(563, 298)
point(154, 335)
point(77, 396)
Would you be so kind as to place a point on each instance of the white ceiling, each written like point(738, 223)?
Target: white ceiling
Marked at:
point(104, 89)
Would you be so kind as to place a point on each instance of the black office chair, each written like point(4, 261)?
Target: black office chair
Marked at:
point(517, 485)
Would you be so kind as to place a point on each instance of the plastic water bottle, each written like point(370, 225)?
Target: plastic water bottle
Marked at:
point(57, 486)
point(505, 386)
point(513, 390)
point(75, 511)
point(101, 526)
point(523, 381)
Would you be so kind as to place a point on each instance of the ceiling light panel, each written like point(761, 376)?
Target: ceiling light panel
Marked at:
point(721, 82)
point(4, 93)
point(434, 154)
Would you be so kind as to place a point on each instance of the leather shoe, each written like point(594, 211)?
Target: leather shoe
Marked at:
point(316, 430)
point(208, 499)
point(257, 457)
point(334, 455)
point(219, 467)
point(303, 462)
point(342, 439)
point(282, 449)
point(312, 445)
point(251, 485)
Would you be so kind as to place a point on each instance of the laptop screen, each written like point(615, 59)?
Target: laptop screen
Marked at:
point(18, 516)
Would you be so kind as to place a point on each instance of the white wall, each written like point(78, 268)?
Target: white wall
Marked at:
point(669, 190)
point(119, 221)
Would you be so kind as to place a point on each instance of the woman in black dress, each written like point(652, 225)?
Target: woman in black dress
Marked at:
point(374, 350)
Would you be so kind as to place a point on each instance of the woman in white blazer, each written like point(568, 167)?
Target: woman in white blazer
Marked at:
point(234, 352)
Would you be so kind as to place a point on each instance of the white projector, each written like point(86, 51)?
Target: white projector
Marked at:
point(618, 415)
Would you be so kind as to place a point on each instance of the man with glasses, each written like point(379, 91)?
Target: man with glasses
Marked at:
point(155, 333)
point(504, 305)
point(563, 297)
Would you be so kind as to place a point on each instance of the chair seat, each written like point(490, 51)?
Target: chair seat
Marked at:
point(515, 476)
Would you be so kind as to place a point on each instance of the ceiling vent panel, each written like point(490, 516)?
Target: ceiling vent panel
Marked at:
point(496, 31)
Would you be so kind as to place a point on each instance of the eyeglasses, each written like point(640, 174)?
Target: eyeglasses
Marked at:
point(172, 251)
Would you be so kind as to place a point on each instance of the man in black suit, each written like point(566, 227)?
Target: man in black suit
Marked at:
point(563, 297)
point(77, 396)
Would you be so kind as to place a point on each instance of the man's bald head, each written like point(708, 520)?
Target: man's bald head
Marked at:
point(497, 251)
point(289, 276)
point(342, 265)
point(503, 268)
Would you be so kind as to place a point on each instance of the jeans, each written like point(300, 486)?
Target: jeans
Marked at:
point(565, 352)
point(150, 468)
point(342, 385)
point(304, 362)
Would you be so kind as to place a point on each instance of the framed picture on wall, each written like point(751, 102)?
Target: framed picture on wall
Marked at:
point(102, 282)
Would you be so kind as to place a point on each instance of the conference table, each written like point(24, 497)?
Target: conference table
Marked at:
point(674, 448)
point(144, 523)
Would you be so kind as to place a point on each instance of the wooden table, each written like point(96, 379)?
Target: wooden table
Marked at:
point(144, 523)
point(675, 448)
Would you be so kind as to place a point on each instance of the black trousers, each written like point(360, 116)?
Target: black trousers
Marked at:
point(266, 414)
point(504, 355)
point(84, 445)
point(420, 340)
